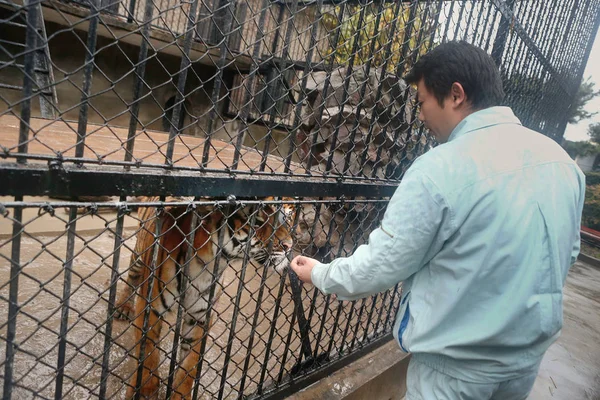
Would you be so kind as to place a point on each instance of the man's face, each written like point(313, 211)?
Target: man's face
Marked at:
point(440, 120)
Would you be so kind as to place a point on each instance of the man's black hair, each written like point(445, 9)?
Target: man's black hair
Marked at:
point(464, 63)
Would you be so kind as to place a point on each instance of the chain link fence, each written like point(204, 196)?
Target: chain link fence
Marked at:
point(163, 160)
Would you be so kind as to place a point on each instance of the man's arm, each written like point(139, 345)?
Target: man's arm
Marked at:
point(415, 225)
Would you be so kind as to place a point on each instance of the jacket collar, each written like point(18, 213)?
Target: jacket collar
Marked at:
point(484, 118)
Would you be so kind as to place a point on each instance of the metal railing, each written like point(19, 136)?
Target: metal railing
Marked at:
point(259, 130)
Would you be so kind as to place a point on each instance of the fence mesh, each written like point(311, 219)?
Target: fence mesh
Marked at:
point(241, 105)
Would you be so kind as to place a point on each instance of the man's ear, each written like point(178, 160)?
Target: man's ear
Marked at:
point(457, 95)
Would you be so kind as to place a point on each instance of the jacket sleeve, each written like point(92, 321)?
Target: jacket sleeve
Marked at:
point(416, 223)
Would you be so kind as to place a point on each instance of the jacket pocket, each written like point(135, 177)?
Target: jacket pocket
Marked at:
point(404, 322)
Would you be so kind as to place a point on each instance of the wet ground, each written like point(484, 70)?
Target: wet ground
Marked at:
point(571, 368)
point(42, 288)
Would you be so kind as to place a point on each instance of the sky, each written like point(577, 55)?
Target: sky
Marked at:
point(578, 132)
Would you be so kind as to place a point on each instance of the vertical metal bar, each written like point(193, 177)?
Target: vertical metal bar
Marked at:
point(151, 279)
point(340, 304)
point(13, 300)
point(460, 15)
point(263, 370)
point(391, 172)
point(490, 7)
point(345, 334)
point(322, 325)
point(114, 278)
point(185, 65)
point(469, 19)
point(286, 349)
point(556, 37)
point(42, 62)
point(223, 225)
point(250, 79)
point(282, 279)
point(389, 313)
point(408, 29)
point(579, 76)
point(64, 315)
point(568, 30)
point(399, 72)
point(140, 71)
point(283, 66)
point(257, 309)
point(387, 58)
point(87, 82)
point(131, 16)
point(256, 314)
point(316, 292)
point(500, 41)
point(184, 270)
point(266, 101)
point(363, 89)
point(369, 316)
point(345, 94)
point(334, 328)
point(218, 80)
point(448, 20)
point(315, 134)
point(383, 300)
point(358, 324)
point(305, 72)
point(487, 42)
point(299, 311)
point(30, 43)
point(436, 24)
point(236, 304)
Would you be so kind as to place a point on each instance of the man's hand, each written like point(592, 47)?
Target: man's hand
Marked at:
point(303, 267)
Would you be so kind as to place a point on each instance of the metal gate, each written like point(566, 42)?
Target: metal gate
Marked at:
point(256, 130)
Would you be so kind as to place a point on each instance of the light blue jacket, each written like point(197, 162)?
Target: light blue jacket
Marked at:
point(482, 231)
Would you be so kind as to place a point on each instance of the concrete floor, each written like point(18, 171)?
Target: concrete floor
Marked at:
point(571, 368)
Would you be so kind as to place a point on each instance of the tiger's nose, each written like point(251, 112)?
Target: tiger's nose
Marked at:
point(287, 245)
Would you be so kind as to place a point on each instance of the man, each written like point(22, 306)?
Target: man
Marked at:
point(481, 231)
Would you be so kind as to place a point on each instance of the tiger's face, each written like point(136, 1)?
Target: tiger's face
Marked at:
point(271, 242)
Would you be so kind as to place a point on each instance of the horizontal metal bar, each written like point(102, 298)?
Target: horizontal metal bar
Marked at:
point(303, 382)
point(10, 42)
point(40, 180)
point(13, 87)
point(11, 64)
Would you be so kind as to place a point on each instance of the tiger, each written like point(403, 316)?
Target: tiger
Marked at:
point(268, 241)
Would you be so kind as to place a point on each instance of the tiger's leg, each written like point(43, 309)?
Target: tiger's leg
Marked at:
point(150, 381)
point(192, 333)
point(125, 304)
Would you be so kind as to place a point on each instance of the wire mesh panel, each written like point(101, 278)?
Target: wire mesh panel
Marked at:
point(163, 160)
point(115, 292)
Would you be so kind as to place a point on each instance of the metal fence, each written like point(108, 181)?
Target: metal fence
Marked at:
point(258, 130)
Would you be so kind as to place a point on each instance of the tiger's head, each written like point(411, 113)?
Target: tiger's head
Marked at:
point(269, 230)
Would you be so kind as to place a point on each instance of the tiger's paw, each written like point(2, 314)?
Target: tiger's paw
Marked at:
point(149, 391)
point(125, 311)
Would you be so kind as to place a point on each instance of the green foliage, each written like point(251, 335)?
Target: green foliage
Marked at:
point(585, 93)
point(591, 207)
point(582, 149)
point(377, 33)
point(592, 178)
point(594, 132)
